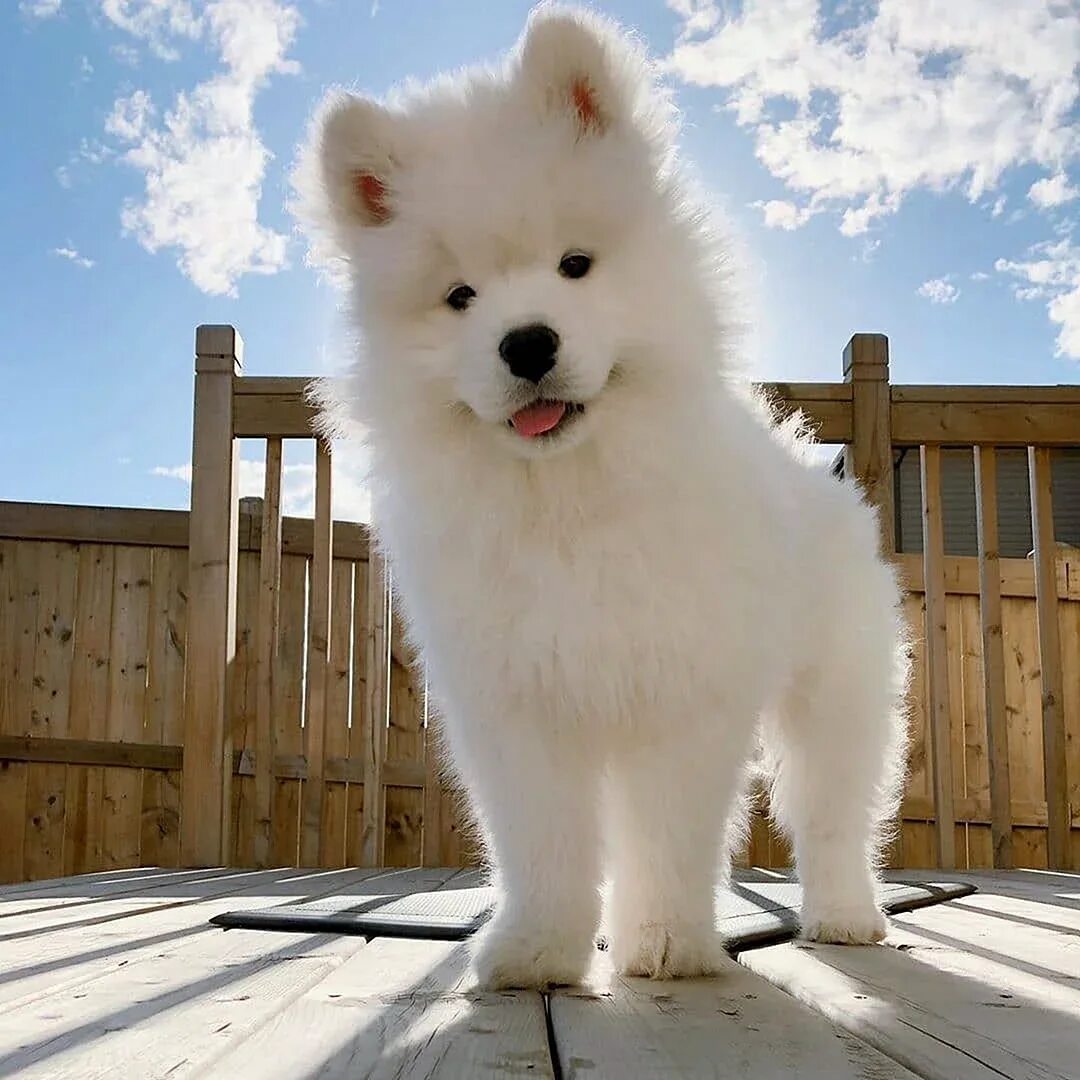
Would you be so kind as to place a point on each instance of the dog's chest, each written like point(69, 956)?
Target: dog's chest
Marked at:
point(601, 622)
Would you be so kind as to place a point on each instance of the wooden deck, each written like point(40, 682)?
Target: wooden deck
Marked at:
point(120, 974)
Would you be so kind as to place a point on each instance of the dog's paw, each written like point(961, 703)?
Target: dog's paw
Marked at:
point(513, 957)
point(840, 924)
point(659, 950)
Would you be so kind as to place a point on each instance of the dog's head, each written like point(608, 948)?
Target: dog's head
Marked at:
point(516, 239)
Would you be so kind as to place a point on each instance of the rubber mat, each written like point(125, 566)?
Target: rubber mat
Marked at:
point(753, 913)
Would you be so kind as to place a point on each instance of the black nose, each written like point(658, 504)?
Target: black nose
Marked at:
point(529, 351)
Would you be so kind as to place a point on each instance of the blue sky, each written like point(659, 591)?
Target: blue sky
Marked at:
point(903, 167)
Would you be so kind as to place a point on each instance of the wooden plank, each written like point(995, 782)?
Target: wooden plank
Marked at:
point(159, 837)
point(212, 568)
point(350, 539)
point(160, 832)
point(956, 715)
point(132, 755)
point(1070, 647)
point(1046, 604)
point(318, 649)
point(287, 693)
point(868, 459)
point(404, 743)
point(1065, 394)
point(338, 690)
point(84, 817)
point(93, 631)
point(989, 423)
point(243, 678)
point(1017, 575)
point(993, 650)
point(8, 631)
point(94, 524)
point(171, 1013)
point(108, 525)
point(43, 842)
point(129, 652)
point(921, 1014)
point(797, 395)
point(44, 920)
point(399, 1008)
point(70, 961)
point(53, 639)
point(266, 647)
point(129, 641)
point(272, 416)
point(737, 1025)
point(164, 721)
point(377, 664)
point(937, 655)
point(21, 634)
point(976, 764)
point(978, 811)
point(829, 419)
point(295, 386)
point(360, 720)
point(433, 795)
point(300, 388)
point(12, 810)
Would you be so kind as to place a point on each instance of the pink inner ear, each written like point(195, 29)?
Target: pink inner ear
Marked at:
point(588, 111)
point(372, 193)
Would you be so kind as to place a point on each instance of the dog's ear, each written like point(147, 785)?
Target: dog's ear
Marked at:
point(578, 64)
point(357, 159)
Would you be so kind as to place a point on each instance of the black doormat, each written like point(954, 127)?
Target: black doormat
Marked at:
point(755, 912)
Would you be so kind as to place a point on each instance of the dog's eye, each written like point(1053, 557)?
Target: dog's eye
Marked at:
point(575, 264)
point(460, 297)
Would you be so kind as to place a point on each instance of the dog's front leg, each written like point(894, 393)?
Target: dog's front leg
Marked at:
point(670, 809)
point(537, 804)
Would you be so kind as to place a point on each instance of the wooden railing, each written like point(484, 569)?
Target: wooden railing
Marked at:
point(250, 683)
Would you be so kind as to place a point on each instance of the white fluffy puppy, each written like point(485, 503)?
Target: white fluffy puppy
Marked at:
point(618, 569)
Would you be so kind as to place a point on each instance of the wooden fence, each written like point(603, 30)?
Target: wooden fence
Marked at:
point(242, 673)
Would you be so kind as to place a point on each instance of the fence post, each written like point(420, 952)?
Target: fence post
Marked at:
point(868, 457)
point(211, 637)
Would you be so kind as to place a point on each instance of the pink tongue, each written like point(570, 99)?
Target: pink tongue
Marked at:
point(536, 419)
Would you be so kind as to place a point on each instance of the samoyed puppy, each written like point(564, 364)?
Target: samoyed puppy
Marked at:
point(621, 573)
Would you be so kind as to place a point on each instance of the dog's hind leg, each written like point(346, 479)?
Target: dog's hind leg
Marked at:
point(835, 748)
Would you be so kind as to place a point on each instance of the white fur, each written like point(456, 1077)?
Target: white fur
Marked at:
point(609, 622)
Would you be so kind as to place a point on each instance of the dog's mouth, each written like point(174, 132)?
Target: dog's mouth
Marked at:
point(545, 419)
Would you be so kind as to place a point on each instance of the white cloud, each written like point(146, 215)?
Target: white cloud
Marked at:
point(780, 214)
point(698, 16)
point(1052, 273)
point(980, 275)
point(73, 256)
point(350, 499)
point(155, 22)
point(855, 110)
point(86, 69)
point(131, 116)
point(40, 9)
point(125, 54)
point(90, 152)
point(939, 291)
point(999, 206)
point(1052, 191)
point(203, 160)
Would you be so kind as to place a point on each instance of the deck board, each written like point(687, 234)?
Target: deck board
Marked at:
point(399, 1008)
point(120, 972)
point(736, 1025)
point(964, 990)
